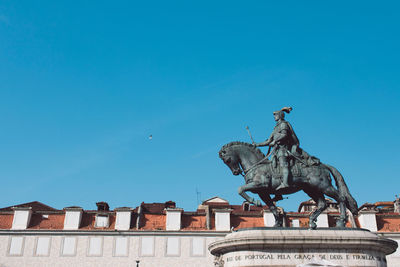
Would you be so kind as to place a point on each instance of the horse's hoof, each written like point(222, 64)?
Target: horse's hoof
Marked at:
point(313, 225)
point(340, 224)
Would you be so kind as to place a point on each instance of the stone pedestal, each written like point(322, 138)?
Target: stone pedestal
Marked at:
point(299, 247)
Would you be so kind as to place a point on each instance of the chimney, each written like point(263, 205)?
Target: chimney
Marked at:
point(22, 217)
point(73, 217)
point(170, 204)
point(102, 206)
point(174, 218)
point(123, 221)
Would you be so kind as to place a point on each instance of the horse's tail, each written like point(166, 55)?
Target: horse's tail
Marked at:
point(343, 189)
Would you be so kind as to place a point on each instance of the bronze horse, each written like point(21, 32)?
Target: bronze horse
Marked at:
point(263, 179)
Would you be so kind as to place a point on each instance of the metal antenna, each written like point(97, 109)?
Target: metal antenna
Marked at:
point(198, 195)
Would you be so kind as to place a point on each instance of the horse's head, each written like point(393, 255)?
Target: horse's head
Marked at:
point(230, 157)
point(239, 156)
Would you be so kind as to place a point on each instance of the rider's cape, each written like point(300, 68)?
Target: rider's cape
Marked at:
point(296, 150)
point(293, 136)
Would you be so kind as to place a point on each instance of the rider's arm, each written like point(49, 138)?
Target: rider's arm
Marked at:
point(263, 143)
point(267, 142)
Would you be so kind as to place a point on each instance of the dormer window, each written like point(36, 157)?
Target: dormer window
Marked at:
point(73, 217)
point(246, 206)
point(101, 221)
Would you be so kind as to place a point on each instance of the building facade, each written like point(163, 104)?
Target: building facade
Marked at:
point(155, 234)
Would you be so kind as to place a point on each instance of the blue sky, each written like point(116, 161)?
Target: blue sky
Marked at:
point(83, 85)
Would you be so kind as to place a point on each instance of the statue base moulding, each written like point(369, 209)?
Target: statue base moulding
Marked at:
point(300, 247)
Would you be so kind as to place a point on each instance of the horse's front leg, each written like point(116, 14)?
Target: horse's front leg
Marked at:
point(267, 199)
point(242, 191)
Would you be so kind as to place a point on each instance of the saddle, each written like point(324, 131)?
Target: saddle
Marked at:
point(295, 170)
point(297, 167)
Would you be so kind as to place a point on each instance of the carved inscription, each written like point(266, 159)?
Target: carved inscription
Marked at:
point(304, 256)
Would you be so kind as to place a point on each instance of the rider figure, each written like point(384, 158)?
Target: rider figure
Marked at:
point(284, 142)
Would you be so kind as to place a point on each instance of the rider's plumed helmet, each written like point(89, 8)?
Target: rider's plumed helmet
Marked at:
point(281, 112)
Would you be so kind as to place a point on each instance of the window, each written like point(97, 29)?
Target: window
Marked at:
point(147, 246)
point(16, 246)
point(101, 221)
point(173, 246)
point(198, 246)
point(121, 246)
point(69, 246)
point(42, 246)
point(95, 246)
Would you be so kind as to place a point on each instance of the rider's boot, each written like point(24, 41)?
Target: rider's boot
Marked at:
point(285, 179)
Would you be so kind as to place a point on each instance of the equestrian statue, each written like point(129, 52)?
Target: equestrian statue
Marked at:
point(289, 170)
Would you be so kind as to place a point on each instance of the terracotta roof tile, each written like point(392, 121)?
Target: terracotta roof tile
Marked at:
point(52, 222)
point(157, 208)
point(36, 206)
point(153, 222)
point(154, 218)
point(239, 222)
point(254, 210)
point(193, 222)
point(303, 222)
point(6, 221)
point(388, 224)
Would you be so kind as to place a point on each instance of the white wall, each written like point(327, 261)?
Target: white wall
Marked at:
point(72, 219)
point(367, 220)
point(123, 221)
point(21, 219)
point(393, 260)
point(322, 220)
point(174, 218)
point(269, 219)
point(168, 250)
point(222, 219)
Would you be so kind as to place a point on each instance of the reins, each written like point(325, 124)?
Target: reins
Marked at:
point(259, 162)
point(255, 165)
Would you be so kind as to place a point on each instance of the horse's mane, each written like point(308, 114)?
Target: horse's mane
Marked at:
point(258, 151)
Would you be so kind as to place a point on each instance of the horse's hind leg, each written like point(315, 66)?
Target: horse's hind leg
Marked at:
point(319, 198)
point(333, 193)
point(267, 199)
